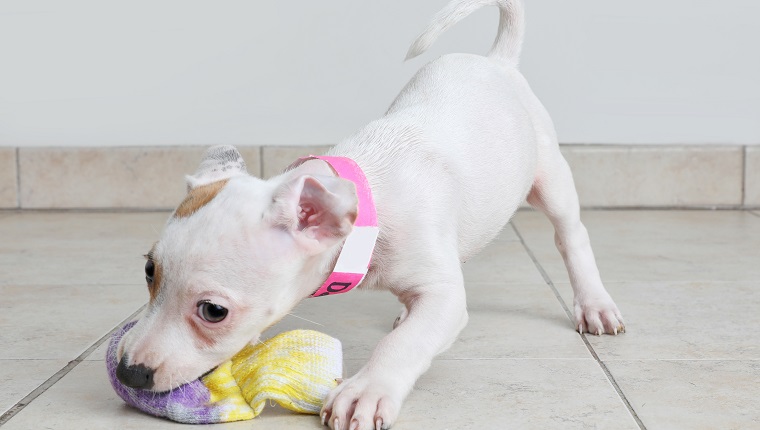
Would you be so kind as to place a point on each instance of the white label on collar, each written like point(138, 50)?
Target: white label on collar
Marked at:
point(357, 251)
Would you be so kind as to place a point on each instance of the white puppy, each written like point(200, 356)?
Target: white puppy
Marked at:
point(461, 147)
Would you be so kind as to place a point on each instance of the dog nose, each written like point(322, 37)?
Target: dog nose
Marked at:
point(135, 376)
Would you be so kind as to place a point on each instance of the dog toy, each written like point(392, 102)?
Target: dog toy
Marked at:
point(296, 369)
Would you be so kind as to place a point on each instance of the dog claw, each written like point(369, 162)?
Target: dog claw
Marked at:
point(336, 424)
point(324, 418)
point(379, 424)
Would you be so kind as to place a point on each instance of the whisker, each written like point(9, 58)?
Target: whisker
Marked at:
point(308, 320)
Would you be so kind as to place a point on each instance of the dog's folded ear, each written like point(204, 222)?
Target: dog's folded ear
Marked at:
point(219, 163)
point(319, 210)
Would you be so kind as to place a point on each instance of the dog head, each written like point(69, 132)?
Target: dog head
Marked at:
point(235, 257)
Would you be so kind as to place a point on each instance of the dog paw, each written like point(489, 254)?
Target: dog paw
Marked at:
point(361, 403)
point(598, 314)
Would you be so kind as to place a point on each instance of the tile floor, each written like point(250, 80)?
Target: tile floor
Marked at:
point(688, 283)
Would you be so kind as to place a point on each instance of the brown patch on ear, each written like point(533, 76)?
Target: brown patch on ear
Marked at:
point(198, 197)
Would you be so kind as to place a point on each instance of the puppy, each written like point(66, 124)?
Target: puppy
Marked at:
point(465, 142)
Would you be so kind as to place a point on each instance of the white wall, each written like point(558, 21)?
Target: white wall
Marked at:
point(82, 73)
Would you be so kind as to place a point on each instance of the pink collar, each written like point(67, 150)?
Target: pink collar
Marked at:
point(356, 254)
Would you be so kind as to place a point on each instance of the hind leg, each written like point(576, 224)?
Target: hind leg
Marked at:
point(554, 194)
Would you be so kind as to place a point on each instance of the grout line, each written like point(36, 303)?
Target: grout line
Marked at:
point(607, 372)
point(261, 161)
point(18, 178)
point(744, 175)
point(21, 404)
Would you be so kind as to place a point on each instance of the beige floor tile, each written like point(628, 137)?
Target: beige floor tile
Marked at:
point(656, 175)
point(686, 282)
point(111, 177)
point(516, 321)
point(752, 177)
point(657, 245)
point(691, 395)
point(502, 262)
point(276, 158)
point(20, 377)
point(682, 320)
point(507, 234)
point(77, 248)
point(61, 322)
point(99, 353)
point(519, 394)
point(8, 178)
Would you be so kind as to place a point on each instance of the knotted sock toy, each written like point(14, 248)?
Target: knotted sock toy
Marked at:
point(296, 369)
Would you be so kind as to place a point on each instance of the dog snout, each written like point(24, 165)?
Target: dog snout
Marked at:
point(136, 375)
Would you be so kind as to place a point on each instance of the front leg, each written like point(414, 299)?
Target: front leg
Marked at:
point(371, 399)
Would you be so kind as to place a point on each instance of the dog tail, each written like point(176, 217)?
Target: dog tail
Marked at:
point(509, 38)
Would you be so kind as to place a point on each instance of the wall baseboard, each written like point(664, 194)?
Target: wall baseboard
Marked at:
point(152, 178)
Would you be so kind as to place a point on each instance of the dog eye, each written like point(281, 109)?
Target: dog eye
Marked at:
point(211, 312)
point(150, 269)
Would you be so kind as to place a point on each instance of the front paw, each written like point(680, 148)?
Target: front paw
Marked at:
point(598, 314)
point(362, 402)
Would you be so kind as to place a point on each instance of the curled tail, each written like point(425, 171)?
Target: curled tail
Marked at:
point(509, 38)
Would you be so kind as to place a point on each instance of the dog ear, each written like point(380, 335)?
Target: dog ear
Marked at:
point(219, 163)
point(319, 210)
